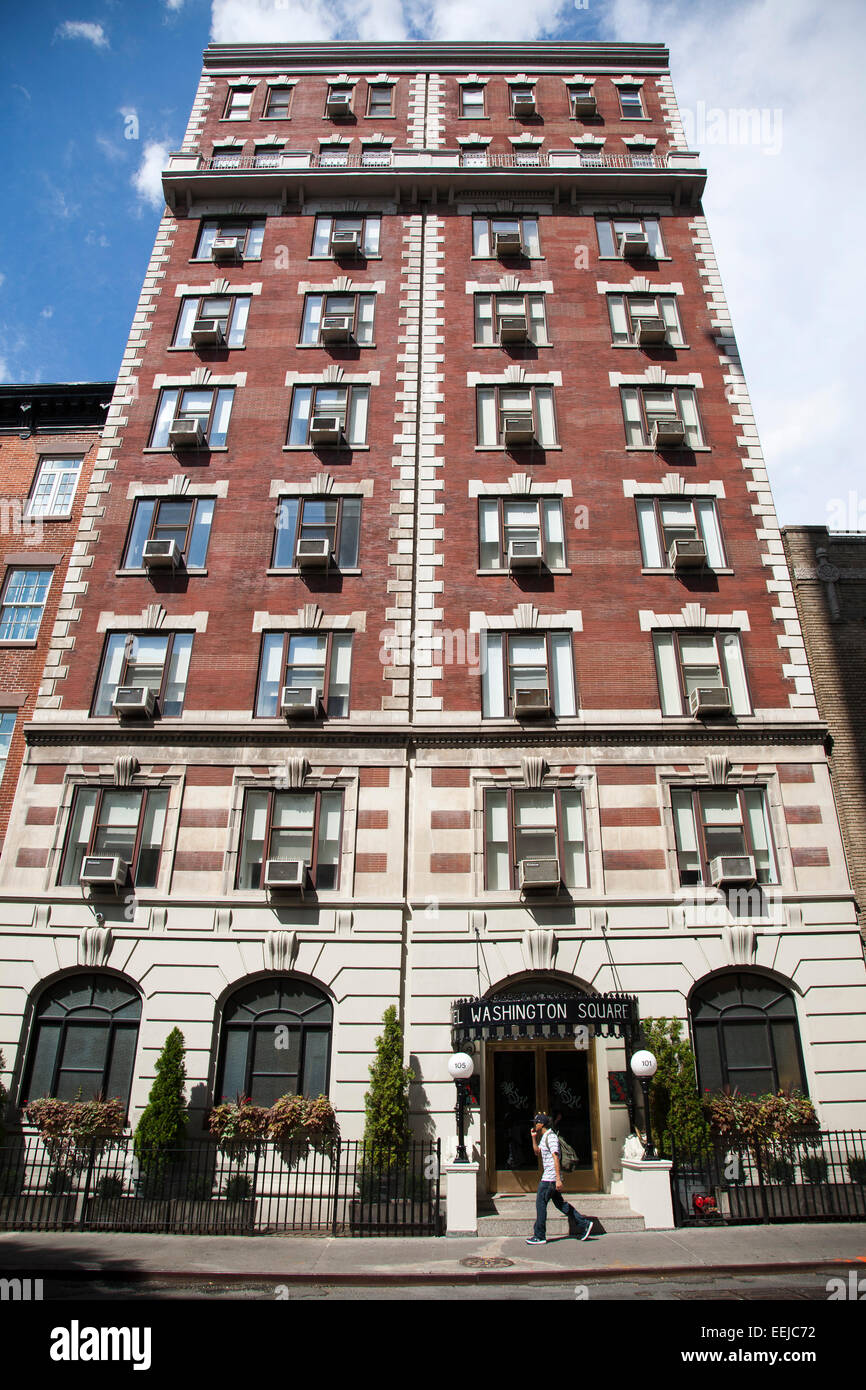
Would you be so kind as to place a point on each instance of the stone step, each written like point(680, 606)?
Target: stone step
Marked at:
point(522, 1226)
point(507, 1215)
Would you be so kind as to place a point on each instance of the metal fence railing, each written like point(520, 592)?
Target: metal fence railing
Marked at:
point(342, 1188)
point(813, 1176)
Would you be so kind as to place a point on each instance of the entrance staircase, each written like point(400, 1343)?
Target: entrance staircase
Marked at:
point(506, 1215)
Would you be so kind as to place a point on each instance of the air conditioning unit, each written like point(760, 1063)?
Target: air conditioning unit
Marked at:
point(103, 871)
point(668, 432)
point(687, 554)
point(300, 701)
point(513, 328)
point(524, 555)
point(524, 104)
point(345, 243)
point(634, 244)
point(709, 700)
point(531, 700)
point(326, 429)
point(339, 105)
point(651, 330)
point(584, 104)
point(539, 873)
point(518, 429)
point(136, 701)
point(187, 434)
point(508, 244)
point(336, 328)
point(226, 250)
point(732, 868)
point(285, 873)
point(160, 555)
point(207, 333)
point(313, 554)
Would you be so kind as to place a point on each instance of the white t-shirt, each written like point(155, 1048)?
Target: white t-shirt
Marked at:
point(549, 1146)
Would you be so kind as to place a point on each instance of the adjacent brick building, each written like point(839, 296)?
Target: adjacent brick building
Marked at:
point(431, 636)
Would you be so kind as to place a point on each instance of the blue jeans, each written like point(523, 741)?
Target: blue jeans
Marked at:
point(547, 1193)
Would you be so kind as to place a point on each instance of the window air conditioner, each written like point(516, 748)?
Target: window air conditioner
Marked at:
point(518, 429)
point(531, 700)
point(508, 244)
point(300, 701)
point(226, 250)
point(687, 554)
point(539, 873)
point(326, 429)
point(584, 104)
point(715, 699)
point(668, 432)
point(103, 871)
point(187, 434)
point(732, 868)
point(285, 873)
point(134, 700)
point(634, 244)
point(345, 243)
point(651, 330)
point(339, 105)
point(524, 555)
point(207, 333)
point(336, 328)
point(524, 104)
point(159, 555)
point(513, 328)
point(313, 554)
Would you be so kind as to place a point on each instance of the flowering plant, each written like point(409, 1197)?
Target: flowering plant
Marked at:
point(290, 1118)
point(759, 1119)
point(238, 1121)
point(705, 1206)
point(79, 1120)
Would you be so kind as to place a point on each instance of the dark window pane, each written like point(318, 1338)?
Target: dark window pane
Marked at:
point(122, 1058)
point(234, 1064)
point(752, 1083)
point(708, 1059)
point(316, 1063)
point(787, 1056)
point(44, 1057)
point(86, 1047)
point(276, 1050)
point(747, 1044)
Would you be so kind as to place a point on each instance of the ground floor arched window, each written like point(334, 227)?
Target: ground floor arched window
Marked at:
point(745, 1033)
point(276, 1039)
point(84, 1039)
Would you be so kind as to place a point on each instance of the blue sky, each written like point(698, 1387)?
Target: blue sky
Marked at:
point(93, 96)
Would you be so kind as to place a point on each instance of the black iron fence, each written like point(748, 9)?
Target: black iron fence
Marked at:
point(809, 1177)
point(342, 1188)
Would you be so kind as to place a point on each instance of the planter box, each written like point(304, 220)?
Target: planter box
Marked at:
point(40, 1211)
point(793, 1201)
point(169, 1214)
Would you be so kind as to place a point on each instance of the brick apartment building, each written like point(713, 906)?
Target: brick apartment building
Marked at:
point(432, 638)
point(48, 439)
point(829, 574)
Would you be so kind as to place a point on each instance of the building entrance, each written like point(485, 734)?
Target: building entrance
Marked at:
point(522, 1078)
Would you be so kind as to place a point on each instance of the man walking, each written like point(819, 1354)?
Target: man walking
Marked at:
point(546, 1144)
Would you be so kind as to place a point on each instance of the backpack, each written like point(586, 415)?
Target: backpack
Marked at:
point(568, 1159)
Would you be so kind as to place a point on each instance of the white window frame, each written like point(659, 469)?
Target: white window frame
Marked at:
point(58, 466)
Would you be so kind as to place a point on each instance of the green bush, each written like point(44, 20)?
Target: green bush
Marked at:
point(387, 1134)
point(109, 1187)
point(238, 1188)
point(58, 1182)
point(199, 1188)
point(814, 1168)
point(780, 1169)
point(675, 1106)
point(161, 1131)
point(857, 1170)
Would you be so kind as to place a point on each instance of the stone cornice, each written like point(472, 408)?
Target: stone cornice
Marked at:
point(414, 57)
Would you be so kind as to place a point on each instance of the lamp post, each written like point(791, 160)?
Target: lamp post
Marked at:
point(644, 1066)
point(460, 1068)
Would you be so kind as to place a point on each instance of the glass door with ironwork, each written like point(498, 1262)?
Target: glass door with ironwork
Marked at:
point(523, 1078)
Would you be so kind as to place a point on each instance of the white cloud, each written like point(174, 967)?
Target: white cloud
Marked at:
point(5, 374)
point(389, 21)
point(173, 4)
point(147, 179)
point(16, 87)
point(2, 277)
point(80, 29)
point(92, 239)
point(47, 312)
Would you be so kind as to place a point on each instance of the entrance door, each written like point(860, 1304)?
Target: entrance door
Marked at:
point(523, 1078)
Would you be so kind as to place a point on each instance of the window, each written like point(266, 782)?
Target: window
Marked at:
point(240, 100)
point(522, 98)
point(375, 156)
point(642, 406)
point(333, 156)
point(291, 1013)
point(24, 595)
point(714, 821)
point(627, 310)
point(249, 234)
point(336, 520)
point(319, 661)
point(581, 100)
point(687, 661)
point(228, 313)
point(630, 103)
point(7, 728)
point(339, 98)
point(472, 100)
point(641, 157)
point(54, 487)
point(502, 409)
point(359, 309)
point(485, 229)
point(212, 408)
point(84, 1038)
point(746, 1036)
point(663, 520)
point(366, 230)
point(268, 156)
point(157, 661)
point(380, 99)
point(227, 156)
point(473, 156)
point(591, 156)
point(302, 825)
point(503, 521)
point(524, 824)
point(516, 663)
point(527, 156)
point(491, 309)
point(347, 405)
point(114, 821)
point(611, 231)
point(185, 520)
point(278, 103)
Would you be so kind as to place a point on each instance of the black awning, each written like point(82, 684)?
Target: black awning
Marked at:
point(539, 1016)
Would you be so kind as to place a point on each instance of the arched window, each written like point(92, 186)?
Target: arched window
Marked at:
point(276, 1040)
point(85, 1032)
point(746, 1035)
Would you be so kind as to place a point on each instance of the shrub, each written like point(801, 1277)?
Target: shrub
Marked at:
point(780, 1169)
point(79, 1120)
point(857, 1170)
point(238, 1188)
point(286, 1118)
point(238, 1122)
point(386, 1132)
point(675, 1106)
point(59, 1182)
point(199, 1188)
point(814, 1168)
point(161, 1131)
point(753, 1120)
point(108, 1187)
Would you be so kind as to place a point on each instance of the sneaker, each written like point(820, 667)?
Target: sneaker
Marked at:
point(587, 1228)
point(533, 1240)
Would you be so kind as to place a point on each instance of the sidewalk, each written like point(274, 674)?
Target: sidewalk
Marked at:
point(446, 1260)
